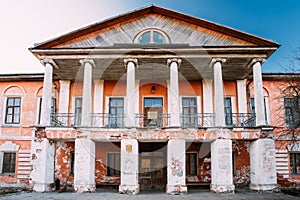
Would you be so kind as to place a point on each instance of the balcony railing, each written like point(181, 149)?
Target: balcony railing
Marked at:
point(153, 120)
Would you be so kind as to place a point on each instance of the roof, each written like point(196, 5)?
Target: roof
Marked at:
point(162, 11)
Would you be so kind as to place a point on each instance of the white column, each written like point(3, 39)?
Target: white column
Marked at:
point(207, 85)
point(130, 100)
point(221, 166)
point(218, 92)
point(42, 160)
point(47, 92)
point(87, 92)
point(174, 111)
point(64, 96)
point(84, 173)
point(176, 167)
point(242, 95)
point(129, 167)
point(98, 101)
point(258, 93)
point(262, 165)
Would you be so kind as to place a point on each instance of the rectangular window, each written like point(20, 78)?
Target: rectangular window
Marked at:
point(9, 162)
point(116, 112)
point(191, 164)
point(291, 107)
point(78, 110)
point(295, 163)
point(13, 110)
point(228, 111)
point(113, 164)
point(189, 112)
point(252, 108)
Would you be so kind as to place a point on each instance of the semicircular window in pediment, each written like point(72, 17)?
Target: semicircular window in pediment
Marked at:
point(151, 36)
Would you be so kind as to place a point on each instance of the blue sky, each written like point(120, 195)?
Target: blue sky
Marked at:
point(24, 23)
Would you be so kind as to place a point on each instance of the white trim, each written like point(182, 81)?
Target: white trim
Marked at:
point(5, 107)
point(98, 96)
point(37, 108)
point(8, 147)
point(267, 107)
point(152, 30)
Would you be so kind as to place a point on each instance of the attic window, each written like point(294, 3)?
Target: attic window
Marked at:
point(152, 36)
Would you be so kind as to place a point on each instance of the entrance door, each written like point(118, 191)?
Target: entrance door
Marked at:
point(153, 112)
point(152, 170)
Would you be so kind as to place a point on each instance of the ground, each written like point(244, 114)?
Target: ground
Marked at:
point(111, 194)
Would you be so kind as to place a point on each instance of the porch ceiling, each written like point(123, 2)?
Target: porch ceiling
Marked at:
point(153, 69)
point(152, 61)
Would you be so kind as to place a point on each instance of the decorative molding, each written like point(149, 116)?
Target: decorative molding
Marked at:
point(45, 61)
point(177, 60)
point(9, 146)
point(215, 60)
point(294, 147)
point(127, 60)
point(88, 60)
point(256, 60)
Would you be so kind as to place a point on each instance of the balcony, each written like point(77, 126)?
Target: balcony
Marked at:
point(152, 120)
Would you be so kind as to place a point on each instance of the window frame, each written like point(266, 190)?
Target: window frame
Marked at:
point(13, 120)
point(189, 121)
point(115, 116)
point(294, 165)
point(188, 164)
point(292, 119)
point(114, 170)
point(13, 164)
point(228, 116)
point(151, 31)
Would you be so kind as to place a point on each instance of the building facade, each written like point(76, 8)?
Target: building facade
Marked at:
point(149, 99)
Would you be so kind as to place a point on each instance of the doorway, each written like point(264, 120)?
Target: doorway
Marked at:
point(153, 166)
point(153, 112)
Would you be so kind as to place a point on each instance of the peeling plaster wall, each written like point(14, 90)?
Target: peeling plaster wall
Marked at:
point(63, 161)
point(241, 150)
point(204, 162)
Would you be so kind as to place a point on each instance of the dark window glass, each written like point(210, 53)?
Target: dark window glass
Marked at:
point(72, 159)
point(291, 106)
point(295, 163)
point(116, 112)
point(228, 111)
point(145, 38)
point(113, 164)
point(9, 162)
point(13, 106)
point(191, 164)
point(158, 38)
point(189, 112)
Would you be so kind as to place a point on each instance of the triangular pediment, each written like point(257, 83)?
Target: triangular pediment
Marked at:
point(180, 28)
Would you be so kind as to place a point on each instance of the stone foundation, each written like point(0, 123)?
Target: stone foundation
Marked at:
point(176, 189)
point(129, 189)
point(222, 188)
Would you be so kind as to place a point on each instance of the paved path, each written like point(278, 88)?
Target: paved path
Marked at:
point(149, 195)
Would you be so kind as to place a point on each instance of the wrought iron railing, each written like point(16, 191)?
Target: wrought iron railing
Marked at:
point(154, 120)
point(240, 120)
point(107, 120)
point(197, 120)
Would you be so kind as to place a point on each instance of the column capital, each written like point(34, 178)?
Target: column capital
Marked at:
point(177, 60)
point(127, 60)
point(257, 60)
point(88, 60)
point(215, 60)
point(45, 61)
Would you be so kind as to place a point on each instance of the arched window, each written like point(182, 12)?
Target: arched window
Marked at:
point(151, 36)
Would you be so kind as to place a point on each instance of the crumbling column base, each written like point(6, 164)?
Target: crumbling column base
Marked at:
point(263, 186)
point(222, 188)
point(42, 187)
point(129, 189)
point(82, 188)
point(176, 189)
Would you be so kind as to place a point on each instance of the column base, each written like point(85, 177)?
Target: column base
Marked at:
point(43, 187)
point(129, 189)
point(85, 188)
point(176, 189)
point(263, 186)
point(222, 188)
